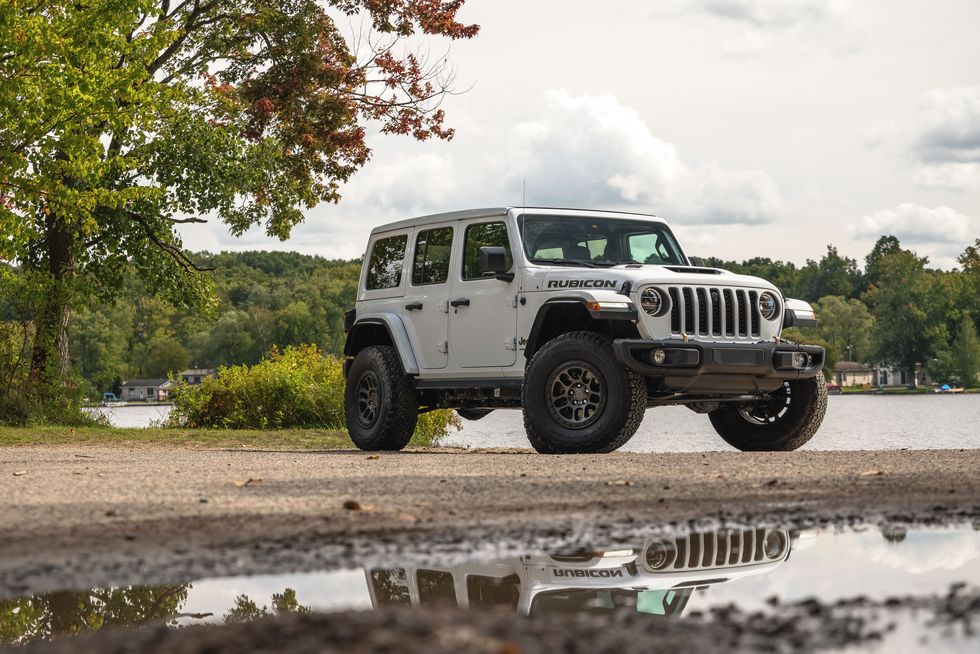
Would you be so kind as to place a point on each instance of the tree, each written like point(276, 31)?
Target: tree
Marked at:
point(120, 119)
point(909, 316)
point(832, 275)
point(847, 324)
point(883, 247)
point(967, 353)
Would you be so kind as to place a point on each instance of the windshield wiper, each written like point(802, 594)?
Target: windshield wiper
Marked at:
point(625, 261)
point(567, 262)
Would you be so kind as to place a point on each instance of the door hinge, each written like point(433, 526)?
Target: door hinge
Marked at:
point(513, 302)
point(442, 347)
point(510, 344)
point(445, 306)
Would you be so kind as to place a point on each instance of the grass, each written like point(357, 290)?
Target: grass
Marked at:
point(280, 439)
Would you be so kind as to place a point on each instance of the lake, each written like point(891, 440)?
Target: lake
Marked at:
point(855, 422)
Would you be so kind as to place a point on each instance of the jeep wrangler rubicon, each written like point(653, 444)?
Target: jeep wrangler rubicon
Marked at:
point(582, 319)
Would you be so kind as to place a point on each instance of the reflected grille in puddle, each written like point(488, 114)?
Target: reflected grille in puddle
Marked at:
point(660, 576)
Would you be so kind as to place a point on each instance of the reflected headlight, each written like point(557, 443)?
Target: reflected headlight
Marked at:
point(775, 544)
point(768, 305)
point(660, 554)
point(653, 301)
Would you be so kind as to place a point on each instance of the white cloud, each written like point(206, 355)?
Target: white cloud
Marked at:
point(779, 13)
point(592, 151)
point(916, 225)
point(946, 138)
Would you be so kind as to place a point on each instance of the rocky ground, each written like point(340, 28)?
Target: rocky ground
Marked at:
point(76, 517)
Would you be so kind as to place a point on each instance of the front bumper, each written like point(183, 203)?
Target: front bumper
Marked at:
point(686, 359)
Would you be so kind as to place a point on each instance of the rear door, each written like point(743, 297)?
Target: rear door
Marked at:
point(425, 306)
point(483, 309)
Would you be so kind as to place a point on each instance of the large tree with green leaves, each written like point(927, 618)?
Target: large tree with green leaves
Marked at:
point(120, 119)
point(910, 309)
point(847, 324)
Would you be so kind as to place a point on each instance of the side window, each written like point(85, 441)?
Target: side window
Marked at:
point(482, 235)
point(387, 257)
point(391, 587)
point(432, 250)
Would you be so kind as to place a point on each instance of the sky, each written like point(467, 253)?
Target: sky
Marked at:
point(766, 128)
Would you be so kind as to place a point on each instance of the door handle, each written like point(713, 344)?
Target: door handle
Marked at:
point(414, 306)
point(460, 302)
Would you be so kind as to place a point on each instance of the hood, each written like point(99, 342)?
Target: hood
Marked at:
point(549, 278)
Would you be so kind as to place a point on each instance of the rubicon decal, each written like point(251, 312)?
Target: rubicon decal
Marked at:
point(558, 572)
point(582, 283)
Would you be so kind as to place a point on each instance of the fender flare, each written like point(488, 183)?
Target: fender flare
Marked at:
point(582, 298)
point(396, 332)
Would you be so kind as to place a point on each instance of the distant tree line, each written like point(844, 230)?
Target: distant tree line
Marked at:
point(897, 311)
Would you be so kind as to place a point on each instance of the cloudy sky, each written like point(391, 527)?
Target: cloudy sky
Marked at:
point(756, 127)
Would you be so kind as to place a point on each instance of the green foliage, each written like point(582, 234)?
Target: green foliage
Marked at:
point(121, 119)
point(298, 387)
point(846, 324)
point(966, 352)
point(51, 615)
point(910, 310)
point(246, 610)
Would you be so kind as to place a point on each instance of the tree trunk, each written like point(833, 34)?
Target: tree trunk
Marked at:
point(49, 357)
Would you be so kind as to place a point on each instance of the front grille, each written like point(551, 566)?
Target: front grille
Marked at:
point(710, 311)
point(717, 549)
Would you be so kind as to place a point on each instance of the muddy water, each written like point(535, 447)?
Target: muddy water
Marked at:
point(660, 576)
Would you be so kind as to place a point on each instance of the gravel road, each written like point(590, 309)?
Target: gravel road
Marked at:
point(84, 516)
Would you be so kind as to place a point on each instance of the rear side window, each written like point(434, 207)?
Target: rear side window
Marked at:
point(478, 236)
point(432, 250)
point(387, 258)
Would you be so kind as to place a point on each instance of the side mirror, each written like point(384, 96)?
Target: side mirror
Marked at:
point(493, 260)
point(696, 261)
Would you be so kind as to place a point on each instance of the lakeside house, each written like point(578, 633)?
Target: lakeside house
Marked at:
point(194, 376)
point(854, 373)
point(159, 390)
point(146, 390)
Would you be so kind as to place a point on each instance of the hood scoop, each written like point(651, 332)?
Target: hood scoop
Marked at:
point(694, 270)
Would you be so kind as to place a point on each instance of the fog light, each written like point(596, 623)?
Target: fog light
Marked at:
point(659, 356)
point(800, 360)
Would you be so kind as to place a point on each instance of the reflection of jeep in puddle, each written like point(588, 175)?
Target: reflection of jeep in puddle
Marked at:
point(657, 579)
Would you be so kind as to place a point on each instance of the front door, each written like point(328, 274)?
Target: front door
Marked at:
point(426, 309)
point(482, 312)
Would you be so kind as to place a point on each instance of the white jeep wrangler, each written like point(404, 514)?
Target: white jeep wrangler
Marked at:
point(583, 319)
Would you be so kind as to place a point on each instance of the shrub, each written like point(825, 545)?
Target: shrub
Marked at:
point(296, 388)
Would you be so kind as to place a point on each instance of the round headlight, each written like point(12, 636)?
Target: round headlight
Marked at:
point(768, 306)
point(652, 301)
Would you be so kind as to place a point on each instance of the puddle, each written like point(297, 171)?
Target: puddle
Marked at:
point(763, 570)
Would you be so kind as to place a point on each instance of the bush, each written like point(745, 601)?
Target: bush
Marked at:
point(296, 388)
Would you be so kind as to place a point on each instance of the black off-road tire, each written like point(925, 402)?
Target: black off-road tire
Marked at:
point(473, 414)
point(613, 424)
point(395, 400)
point(790, 431)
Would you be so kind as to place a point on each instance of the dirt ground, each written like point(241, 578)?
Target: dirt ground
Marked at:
point(76, 517)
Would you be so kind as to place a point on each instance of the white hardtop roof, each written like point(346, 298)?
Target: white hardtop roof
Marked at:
point(467, 214)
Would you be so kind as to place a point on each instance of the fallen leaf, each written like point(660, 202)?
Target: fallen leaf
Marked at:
point(872, 473)
point(373, 456)
point(19, 473)
point(354, 505)
point(619, 482)
point(247, 482)
point(771, 482)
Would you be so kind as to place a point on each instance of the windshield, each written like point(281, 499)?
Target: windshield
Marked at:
point(667, 602)
point(598, 241)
